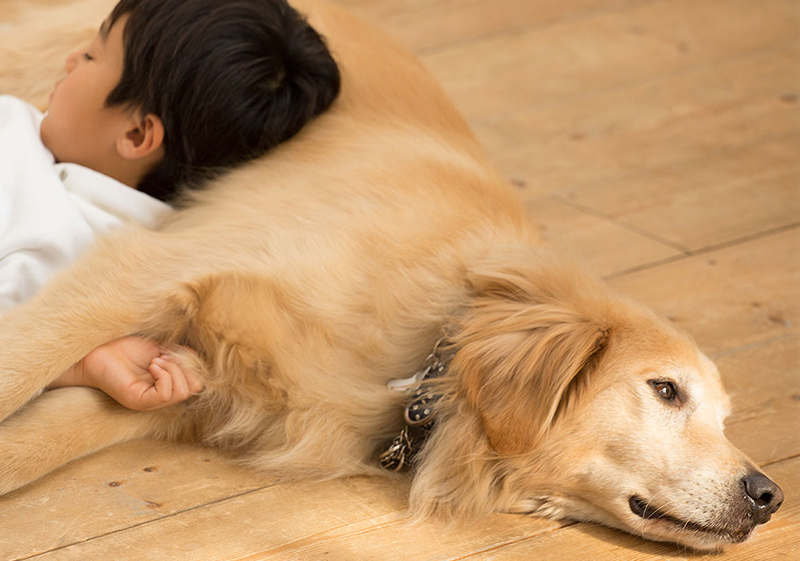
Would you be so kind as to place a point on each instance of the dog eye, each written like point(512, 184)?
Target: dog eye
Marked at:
point(664, 389)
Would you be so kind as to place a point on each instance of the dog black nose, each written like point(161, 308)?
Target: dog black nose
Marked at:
point(764, 494)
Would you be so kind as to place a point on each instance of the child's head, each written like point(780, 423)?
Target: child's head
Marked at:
point(172, 91)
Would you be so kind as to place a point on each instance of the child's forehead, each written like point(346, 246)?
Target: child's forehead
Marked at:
point(113, 25)
point(105, 27)
point(111, 22)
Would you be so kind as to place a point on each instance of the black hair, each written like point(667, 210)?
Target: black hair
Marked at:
point(229, 80)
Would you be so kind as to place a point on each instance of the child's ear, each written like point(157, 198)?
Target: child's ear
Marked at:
point(142, 138)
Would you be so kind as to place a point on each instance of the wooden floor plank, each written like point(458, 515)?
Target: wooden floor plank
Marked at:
point(115, 489)
point(596, 140)
point(728, 298)
point(330, 521)
point(778, 361)
point(605, 247)
point(511, 73)
point(706, 202)
point(304, 521)
point(13, 11)
point(764, 383)
point(425, 25)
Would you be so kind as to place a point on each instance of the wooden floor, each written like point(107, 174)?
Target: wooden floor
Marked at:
point(659, 140)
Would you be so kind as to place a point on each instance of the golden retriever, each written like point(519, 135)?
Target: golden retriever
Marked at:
point(309, 279)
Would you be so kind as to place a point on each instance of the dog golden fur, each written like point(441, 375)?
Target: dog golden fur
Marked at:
point(310, 278)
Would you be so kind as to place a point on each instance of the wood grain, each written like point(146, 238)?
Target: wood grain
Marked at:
point(520, 70)
point(707, 202)
point(124, 486)
point(305, 521)
point(740, 295)
point(605, 148)
point(332, 521)
point(604, 246)
point(424, 25)
point(764, 383)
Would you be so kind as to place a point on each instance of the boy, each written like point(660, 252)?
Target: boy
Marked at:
point(169, 94)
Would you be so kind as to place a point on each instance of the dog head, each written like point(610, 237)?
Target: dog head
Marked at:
point(572, 403)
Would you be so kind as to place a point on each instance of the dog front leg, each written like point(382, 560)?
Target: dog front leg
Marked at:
point(131, 283)
point(69, 423)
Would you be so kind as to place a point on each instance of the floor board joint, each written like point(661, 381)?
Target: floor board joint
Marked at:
point(630, 227)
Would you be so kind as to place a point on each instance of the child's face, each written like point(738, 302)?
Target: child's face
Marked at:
point(78, 127)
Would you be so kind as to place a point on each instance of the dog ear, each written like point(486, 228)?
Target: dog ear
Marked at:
point(527, 349)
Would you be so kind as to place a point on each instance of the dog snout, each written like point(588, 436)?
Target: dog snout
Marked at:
point(764, 494)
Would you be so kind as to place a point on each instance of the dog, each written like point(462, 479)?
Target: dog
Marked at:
point(313, 281)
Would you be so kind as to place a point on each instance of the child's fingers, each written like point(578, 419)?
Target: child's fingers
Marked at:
point(163, 382)
point(188, 369)
point(180, 387)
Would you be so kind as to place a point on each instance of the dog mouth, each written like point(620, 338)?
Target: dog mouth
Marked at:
point(643, 509)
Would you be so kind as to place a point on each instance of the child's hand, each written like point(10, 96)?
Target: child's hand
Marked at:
point(138, 373)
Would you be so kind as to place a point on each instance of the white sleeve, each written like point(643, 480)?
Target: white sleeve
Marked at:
point(41, 229)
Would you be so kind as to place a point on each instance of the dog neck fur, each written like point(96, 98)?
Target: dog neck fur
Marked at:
point(523, 335)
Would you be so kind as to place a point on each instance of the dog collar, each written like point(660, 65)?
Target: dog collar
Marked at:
point(420, 412)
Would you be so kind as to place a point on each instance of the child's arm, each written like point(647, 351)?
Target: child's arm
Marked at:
point(137, 372)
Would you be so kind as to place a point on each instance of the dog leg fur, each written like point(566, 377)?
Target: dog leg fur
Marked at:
point(69, 423)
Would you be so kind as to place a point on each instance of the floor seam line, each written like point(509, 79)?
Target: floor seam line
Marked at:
point(630, 227)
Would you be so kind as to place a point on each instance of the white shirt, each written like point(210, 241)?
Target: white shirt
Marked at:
point(51, 213)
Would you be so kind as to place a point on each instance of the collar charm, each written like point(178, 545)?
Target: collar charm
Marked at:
point(419, 414)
